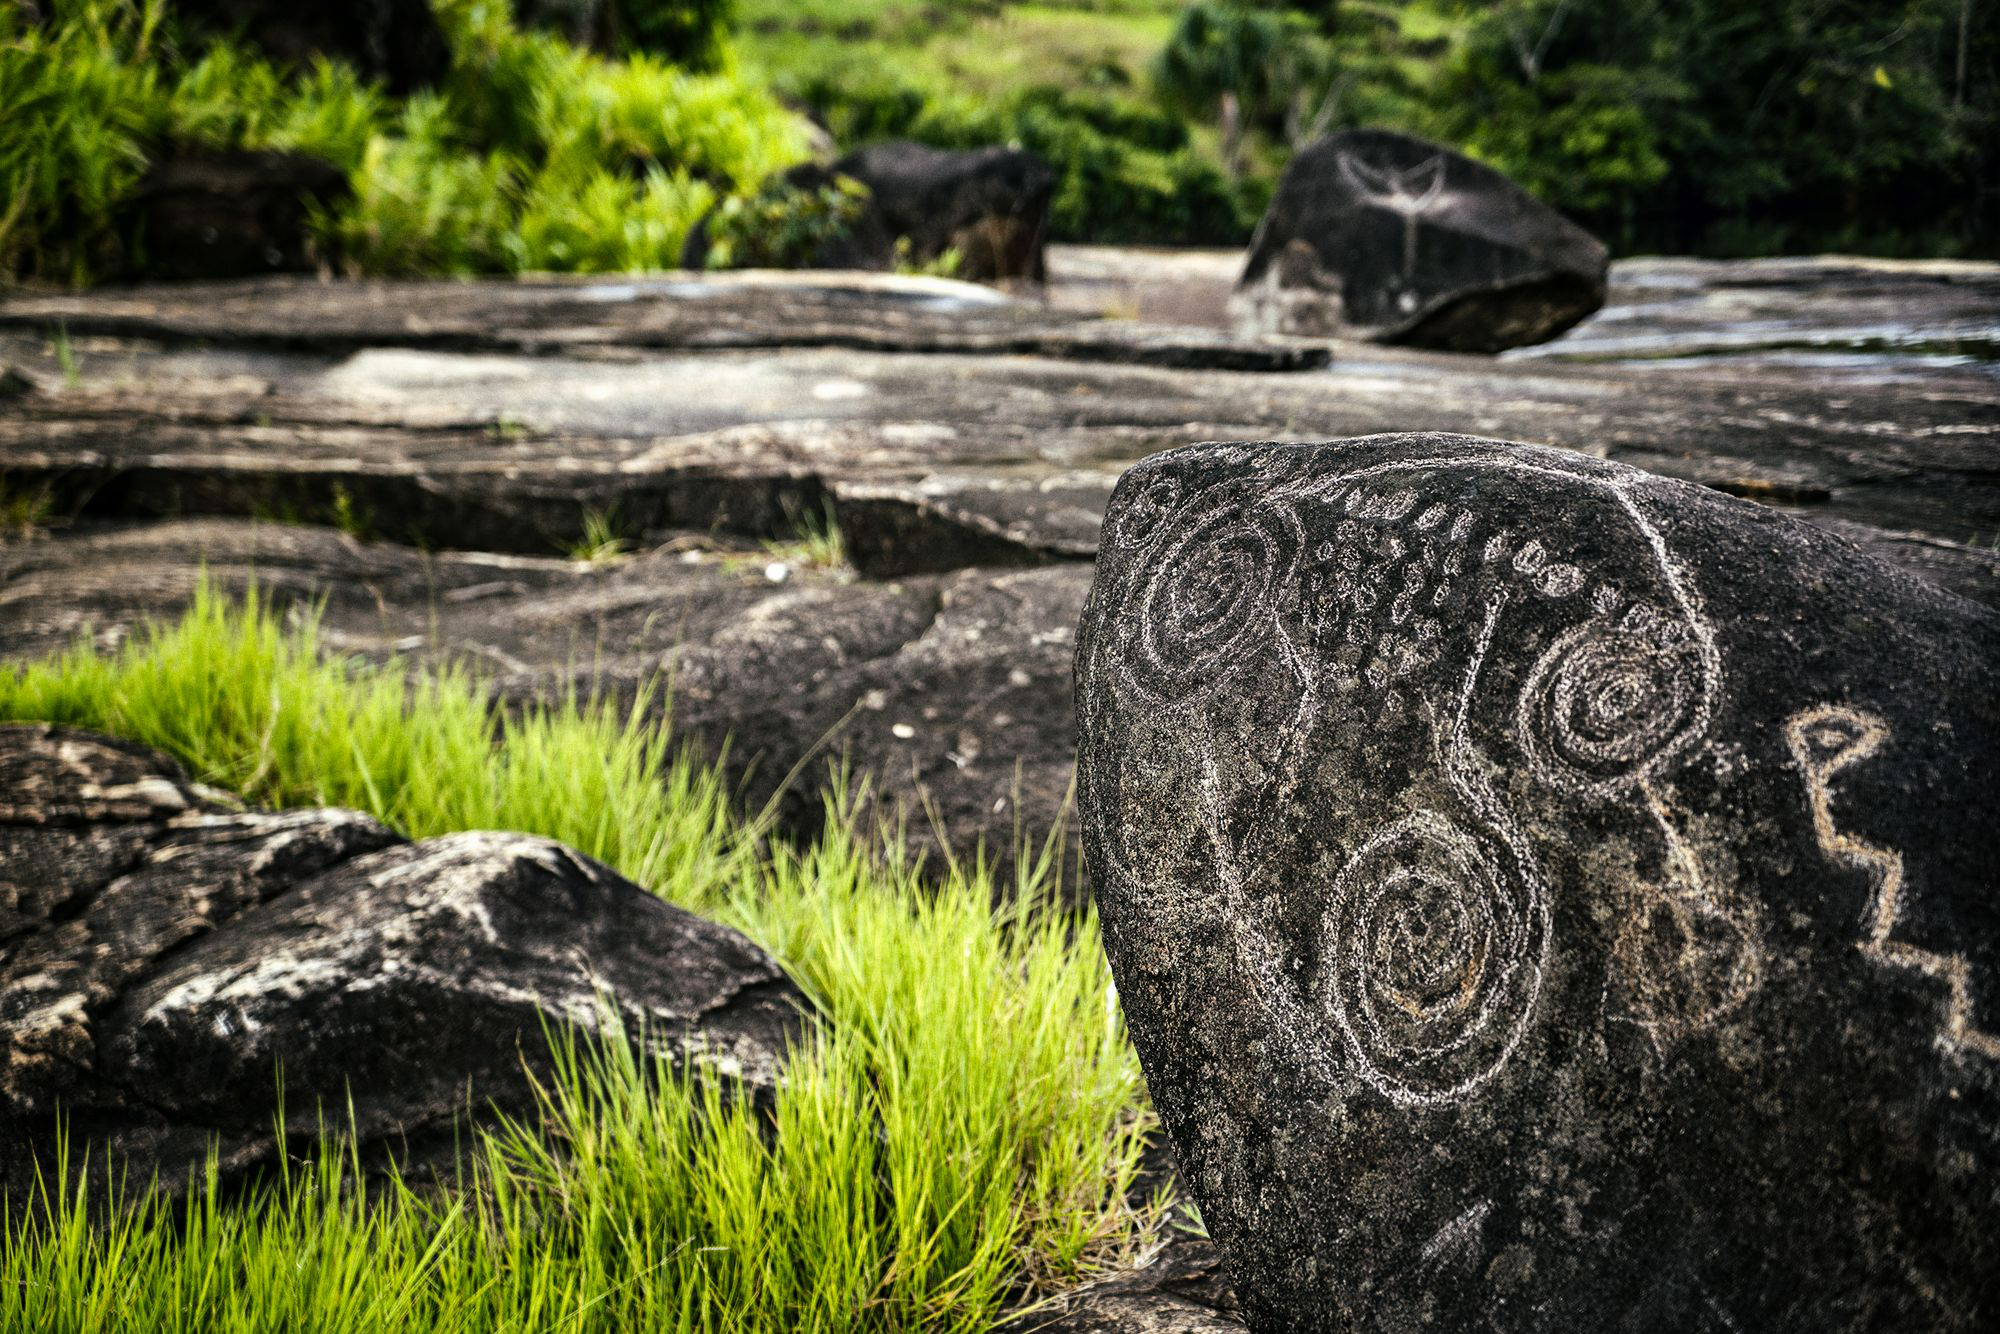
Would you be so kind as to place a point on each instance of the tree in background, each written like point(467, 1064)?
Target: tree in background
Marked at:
point(1242, 64)
point(1733, 125)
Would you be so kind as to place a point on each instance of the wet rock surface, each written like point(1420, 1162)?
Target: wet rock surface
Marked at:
point(163, 956)
point(1379, 235)
point(1548, 896)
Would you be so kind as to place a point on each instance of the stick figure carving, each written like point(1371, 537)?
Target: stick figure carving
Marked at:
point(1408, 192)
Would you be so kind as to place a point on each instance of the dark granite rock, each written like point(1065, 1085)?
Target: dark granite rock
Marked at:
point(233, 214)
point(163, 957)
point(1379, 235)
point(635, 319)
point(990, 205)
point(1180, 1291)
point(397, 41)
point(1547, 896)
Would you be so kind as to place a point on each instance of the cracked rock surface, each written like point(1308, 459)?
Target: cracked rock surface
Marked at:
point(964, 443)
point(164, 956)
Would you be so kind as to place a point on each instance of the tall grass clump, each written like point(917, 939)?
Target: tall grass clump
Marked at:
point(959, 1134)
point(80, 101)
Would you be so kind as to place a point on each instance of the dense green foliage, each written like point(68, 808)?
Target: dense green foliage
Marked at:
point(534, 154)
point(1734, 126)
point(782, 225)
point(962, 1128)
point(1731, 126)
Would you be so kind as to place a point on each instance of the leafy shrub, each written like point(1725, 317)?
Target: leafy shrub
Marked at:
point(534, 154)
point(693, 33)
point(424, 203)
point(783, 225)
point(231, 98)
point(80, 102)
point(606, 221)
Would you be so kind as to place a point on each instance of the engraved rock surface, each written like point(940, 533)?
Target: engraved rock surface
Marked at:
point(1379, 235)
point(1547, 896)
point(163, 957)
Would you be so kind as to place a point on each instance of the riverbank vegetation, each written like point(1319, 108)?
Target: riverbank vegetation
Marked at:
point(1747, 127)
point(1719, 126)
point(960, 1135)
point(531, 154)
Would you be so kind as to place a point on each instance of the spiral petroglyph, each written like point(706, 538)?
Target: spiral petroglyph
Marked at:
point(1211, 598)
point(1610, 700)
point(1432, 959)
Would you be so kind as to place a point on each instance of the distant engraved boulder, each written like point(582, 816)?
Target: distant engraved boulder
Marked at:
point(163, 958)
point(1547, 896)
point(1383, 236)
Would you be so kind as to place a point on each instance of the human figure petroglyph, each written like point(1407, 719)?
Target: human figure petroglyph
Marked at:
point(1409, 192)
point(1228, 584)
point(1824, 741)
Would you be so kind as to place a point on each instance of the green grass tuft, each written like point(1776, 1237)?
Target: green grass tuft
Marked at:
point(961, 1134)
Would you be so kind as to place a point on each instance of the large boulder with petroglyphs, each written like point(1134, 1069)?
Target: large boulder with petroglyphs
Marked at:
point(1546, 896)
point(1383, 236)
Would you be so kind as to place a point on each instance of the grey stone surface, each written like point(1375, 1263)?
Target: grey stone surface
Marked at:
point(1548, 896)
point(164, 957)
point(707, 312)
point(1379, 235)
point(421, 421)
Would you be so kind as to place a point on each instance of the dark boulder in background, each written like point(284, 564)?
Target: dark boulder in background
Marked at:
point(989, 205)
point(163, 959)
point(234, 214)
point(1547, 896)
point(396, 41)
point(1387, 237)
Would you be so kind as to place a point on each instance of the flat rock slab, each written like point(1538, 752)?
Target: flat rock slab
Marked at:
point(1548, 896)
point(690, 311)
point(163, 957)
point(982, 459)
point(950, 692)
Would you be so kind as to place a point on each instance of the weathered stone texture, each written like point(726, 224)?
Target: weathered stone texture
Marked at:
point(1548, 896)
point(165, 960)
